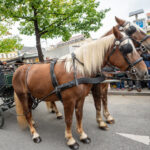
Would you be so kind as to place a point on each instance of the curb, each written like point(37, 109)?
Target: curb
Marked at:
point(131, 93)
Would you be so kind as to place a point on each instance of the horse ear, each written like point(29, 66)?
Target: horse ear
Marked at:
point(119, 21)
point(117, 33)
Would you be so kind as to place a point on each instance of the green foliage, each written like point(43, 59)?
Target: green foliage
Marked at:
point(55, 18)
point(7, 43)
point(3, 30)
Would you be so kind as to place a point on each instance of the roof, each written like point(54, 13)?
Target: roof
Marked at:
point(26, 49)
point(72, 40)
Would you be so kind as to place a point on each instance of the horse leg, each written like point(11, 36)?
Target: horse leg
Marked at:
point(104, 91)
point(51, 106)
point(68, 110)
point(79, 113)
point(97, 101)
point(24, 114)
point(58, 114)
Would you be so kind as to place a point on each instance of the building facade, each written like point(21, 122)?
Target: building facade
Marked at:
point(6, 56)
point(26, 52)
point(63, 48)
point(148, 23)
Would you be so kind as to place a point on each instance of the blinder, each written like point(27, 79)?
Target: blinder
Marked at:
point(126, 48)
point(130, 30)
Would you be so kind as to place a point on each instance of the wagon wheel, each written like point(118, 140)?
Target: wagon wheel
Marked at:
point(1, 118)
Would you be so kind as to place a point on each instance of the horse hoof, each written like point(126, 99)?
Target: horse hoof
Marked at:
point(75, 146)
point(59, 117)
point(37, 140)
point(104, 128)
point(110, 121)
point(86, 140)
point(52, 111)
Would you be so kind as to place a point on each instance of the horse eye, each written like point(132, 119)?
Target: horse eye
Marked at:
point(130, 30)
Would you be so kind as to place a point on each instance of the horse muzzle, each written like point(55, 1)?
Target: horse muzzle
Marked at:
point(142, 75)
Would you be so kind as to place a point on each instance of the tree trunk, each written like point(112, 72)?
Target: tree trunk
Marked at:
point(38, 42)
point(38, 37)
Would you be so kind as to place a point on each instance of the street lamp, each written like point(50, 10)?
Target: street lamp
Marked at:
point(136, 13)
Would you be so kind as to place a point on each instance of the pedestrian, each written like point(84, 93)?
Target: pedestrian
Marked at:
point(119, 75)
point(137, 84)
point(146, 58)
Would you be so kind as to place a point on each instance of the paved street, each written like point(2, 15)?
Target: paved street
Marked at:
point(131, 113)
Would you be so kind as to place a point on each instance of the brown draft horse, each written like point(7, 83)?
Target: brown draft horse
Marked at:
point(94, 56)
point(99, 91)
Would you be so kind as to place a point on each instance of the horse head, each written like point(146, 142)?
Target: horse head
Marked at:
point(124, 55)
point(140, 38)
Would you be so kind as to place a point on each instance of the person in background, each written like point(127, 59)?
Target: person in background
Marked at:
point(137, 85)
point(146, 58)
point(120, 85)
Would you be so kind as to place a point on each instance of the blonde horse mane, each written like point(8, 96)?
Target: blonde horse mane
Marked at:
point(91, 54)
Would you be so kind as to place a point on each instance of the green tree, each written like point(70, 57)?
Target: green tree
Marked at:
point(53, 18)
point(8, 43)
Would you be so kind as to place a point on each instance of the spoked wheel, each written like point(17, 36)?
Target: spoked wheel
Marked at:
point(1, 118)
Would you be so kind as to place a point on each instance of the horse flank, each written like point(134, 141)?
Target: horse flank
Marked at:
point(91, 54)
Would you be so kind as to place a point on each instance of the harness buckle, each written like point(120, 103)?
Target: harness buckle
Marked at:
point(143, 49)
point(117, 43)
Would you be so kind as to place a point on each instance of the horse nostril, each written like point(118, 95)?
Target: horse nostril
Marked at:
point(146, 75)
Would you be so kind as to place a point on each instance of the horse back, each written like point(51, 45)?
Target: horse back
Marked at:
point(36, 79)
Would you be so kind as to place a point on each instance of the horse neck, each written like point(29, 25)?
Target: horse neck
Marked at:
point(93, 55)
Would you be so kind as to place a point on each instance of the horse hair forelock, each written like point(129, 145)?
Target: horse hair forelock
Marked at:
point(91, 54)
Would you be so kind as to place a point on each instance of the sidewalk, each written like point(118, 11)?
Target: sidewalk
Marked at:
point(144, 92)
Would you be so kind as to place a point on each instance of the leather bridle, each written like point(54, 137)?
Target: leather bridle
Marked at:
point(140, 47)
point(130, 67)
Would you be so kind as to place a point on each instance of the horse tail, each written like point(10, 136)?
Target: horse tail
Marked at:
point(21, 118)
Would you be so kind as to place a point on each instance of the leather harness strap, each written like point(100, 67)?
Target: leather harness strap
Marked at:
point(74, 68)
point(58, 88)
point(96, 80)
point(54, 79)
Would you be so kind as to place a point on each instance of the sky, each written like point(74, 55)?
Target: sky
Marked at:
point(119, 8)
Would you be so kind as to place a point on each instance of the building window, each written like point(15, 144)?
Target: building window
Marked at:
point(3, 55)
